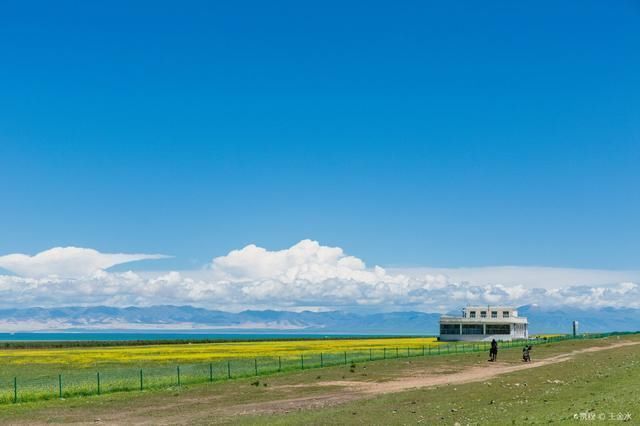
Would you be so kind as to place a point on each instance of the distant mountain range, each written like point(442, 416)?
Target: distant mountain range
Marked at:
point(188, 318)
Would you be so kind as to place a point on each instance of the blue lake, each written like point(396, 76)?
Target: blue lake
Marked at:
point(123, 336)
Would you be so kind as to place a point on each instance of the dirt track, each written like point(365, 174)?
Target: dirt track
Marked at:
point(473, 374)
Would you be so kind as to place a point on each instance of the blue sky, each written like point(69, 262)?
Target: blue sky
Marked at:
point(413, 134)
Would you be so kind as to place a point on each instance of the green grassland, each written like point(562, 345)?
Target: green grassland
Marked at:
point(604, 383)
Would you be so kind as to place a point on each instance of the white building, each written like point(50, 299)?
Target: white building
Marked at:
point(480, 323)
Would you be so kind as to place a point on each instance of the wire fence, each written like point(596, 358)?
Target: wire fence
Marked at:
point(85, 382)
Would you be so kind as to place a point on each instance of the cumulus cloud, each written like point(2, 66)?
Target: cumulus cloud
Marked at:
point(67, 262)
point(309, 275)
point(306, 261)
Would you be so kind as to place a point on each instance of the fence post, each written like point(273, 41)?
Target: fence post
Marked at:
point(98, 377)
point(422, 350)
point(345, 357)
point(178, 370)
point(302, 361)
point(255, 364)
point(408, 353)
point(396, 352)
point(141, 387)
point(370, 354)
point(321, 360)
point(15, 390)
point(211, 372)
point(60, 385)
point(384, 353)
point(229, 369)
point(279, 363)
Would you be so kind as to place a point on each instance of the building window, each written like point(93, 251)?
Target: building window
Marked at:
point(472, 329)
point(494, 314)
point(472, 314)
point(449, 328)
point(505, 314)
point(483, 314)
point(498, 329)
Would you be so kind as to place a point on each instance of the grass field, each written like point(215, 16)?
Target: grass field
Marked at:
point(582, 382)
point(47, 373)
point(600, 387)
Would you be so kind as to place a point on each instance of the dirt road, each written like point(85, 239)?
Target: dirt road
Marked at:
point(468, 375)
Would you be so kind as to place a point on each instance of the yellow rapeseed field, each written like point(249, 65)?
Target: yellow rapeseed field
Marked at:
point(542, 336)
point(198, 352)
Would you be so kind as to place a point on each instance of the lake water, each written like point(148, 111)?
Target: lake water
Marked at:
point(123, 336)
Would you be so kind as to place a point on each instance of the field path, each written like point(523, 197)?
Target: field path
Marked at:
point(208, 408)
point(473, 374)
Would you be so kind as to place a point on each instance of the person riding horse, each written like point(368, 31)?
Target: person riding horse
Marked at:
point(493, 352)
point(526, 353)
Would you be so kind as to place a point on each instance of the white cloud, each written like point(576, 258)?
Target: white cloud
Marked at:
point(305, 261)
point(528, 276)
point(307, 275)
point(67, 262)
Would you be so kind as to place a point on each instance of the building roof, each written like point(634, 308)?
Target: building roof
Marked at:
point(489, 308)
point(462, 320)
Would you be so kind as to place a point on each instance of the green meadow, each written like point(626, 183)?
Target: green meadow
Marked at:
point(568, 382)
